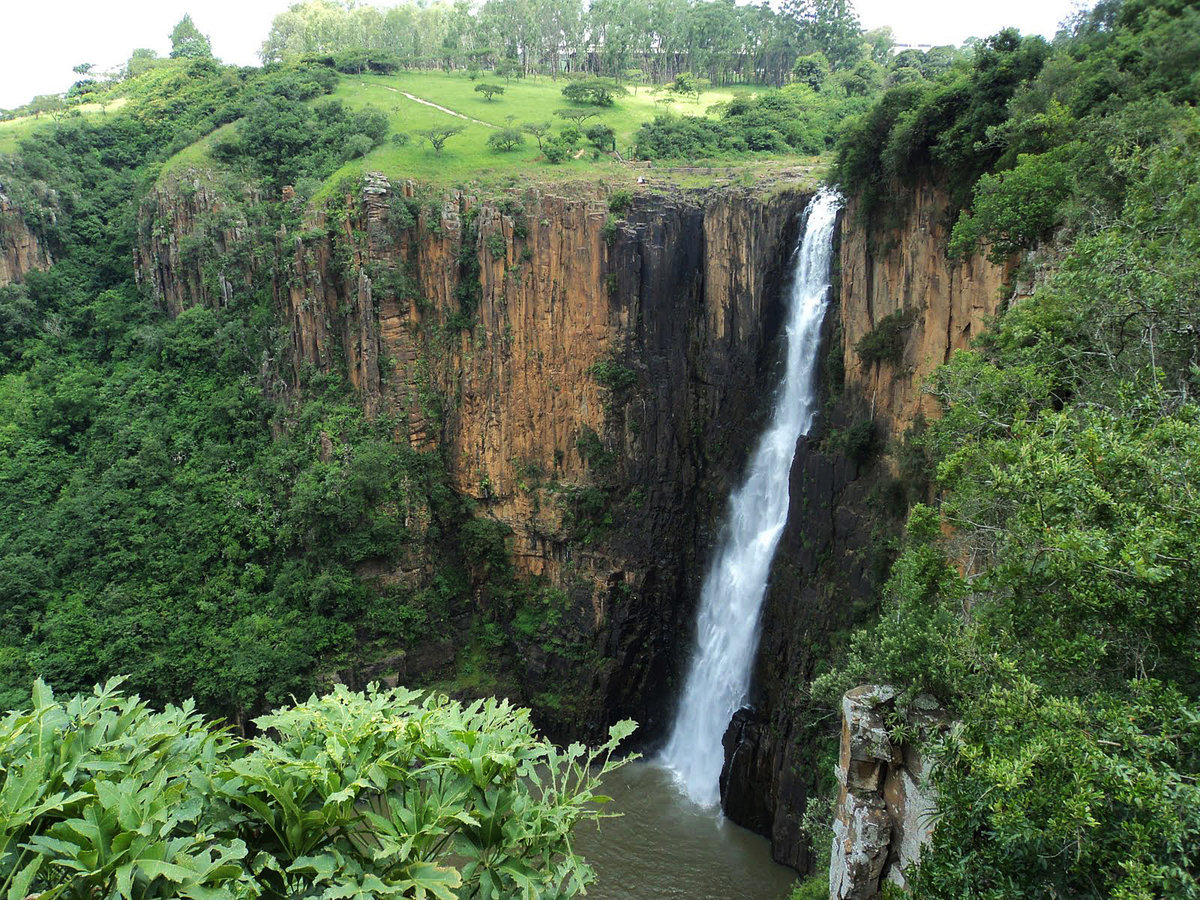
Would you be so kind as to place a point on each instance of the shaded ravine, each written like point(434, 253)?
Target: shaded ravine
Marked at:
point(727, 625)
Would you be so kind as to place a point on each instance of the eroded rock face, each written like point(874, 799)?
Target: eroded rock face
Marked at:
point(20, 250)
point(905, 267)
point(491, 327)
point(193, 245)
point(884, 809)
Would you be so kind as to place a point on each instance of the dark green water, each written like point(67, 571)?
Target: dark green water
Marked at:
point(666, 848)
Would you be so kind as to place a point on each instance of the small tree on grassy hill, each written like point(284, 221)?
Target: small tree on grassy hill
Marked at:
point(505, 140)
point(576, 117)
point(539, 130)
point(602, 136)
point(509, 69)
point(437, 137)
point(188, 43)
point(596, 91)
point(489, 91)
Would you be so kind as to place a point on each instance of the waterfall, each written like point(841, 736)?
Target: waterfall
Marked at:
point(736, 582)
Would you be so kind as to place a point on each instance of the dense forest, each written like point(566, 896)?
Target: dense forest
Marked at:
point(178, 507)
point(1048, 591)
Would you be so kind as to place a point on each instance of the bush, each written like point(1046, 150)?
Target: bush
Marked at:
point(345, 794)
point(506, 140)
point(602, 136)
point(356, 146)
point(885, 342)
point(555, 151)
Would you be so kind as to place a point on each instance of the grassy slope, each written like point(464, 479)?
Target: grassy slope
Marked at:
point(13, 130)
point(467, 157)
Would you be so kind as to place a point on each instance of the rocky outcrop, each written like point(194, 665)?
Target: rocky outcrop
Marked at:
point(904, 268)
point(21, 251)
point(886, 800)
point(193, 245)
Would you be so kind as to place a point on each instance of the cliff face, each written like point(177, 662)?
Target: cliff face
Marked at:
point(192, 245)
point(905, 268)
point(592, 380)
point(20, 250)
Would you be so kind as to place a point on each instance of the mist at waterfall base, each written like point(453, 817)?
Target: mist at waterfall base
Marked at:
point(668, 843)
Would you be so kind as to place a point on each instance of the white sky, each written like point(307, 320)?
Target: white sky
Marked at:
point(41, 40)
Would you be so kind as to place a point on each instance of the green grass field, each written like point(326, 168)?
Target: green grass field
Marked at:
point(12, 130)
point(467, 158)
point(467, 155)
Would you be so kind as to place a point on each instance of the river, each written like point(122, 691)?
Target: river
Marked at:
point(665, 847)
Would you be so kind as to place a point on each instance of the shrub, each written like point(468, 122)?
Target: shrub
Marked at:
point(351, 793)
point(505, 140)
point(555, 151)
point(885, 342)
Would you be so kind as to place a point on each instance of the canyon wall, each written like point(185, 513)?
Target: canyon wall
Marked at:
point(20, 249)
point(592, 378)
point(593, 381)
point(904, 268)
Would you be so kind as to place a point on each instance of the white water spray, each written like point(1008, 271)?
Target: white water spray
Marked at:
point(736, 582)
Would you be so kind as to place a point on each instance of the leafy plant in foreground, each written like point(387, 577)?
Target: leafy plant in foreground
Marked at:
point(386, 794)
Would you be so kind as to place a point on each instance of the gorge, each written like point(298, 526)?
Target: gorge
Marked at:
point(819, 419)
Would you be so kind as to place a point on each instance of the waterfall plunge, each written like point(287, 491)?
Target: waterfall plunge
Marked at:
point(736, 581)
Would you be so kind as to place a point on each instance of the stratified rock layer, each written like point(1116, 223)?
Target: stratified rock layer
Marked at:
point(487, 327)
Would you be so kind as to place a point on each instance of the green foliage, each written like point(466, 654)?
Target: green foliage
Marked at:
point(386, 793)
point(602, 136)
point(1050, 598)
point(506, 140)
point(187, 42)
point(1014, 209)
point(286, 139)
point(885, 341)
point(489, 91)
point(437, 137)
point(620, 201)
point(593, 91)
point(612, 373)
point(795, 119)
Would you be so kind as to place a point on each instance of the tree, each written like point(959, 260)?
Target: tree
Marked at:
point(505, 140)
point(489, 91)
point(509, 69)
point(84, 69)
point(602, 136)
point(576, 117)
point(539, 130)
point(437, 137)
point(139, 61)
point(812, 70)
point(596, 91)
point(187, 42)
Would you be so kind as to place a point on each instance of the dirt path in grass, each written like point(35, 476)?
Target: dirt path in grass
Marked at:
point(448, 112)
